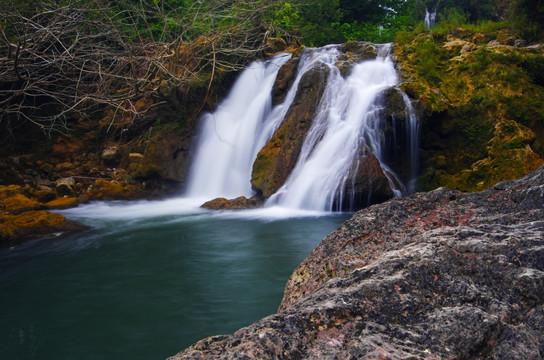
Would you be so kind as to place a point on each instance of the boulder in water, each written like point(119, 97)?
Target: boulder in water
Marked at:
point(240, 202)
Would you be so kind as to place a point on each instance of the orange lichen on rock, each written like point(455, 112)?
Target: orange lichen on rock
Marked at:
point(106, 190)
point(12, 226)
point(62, 203)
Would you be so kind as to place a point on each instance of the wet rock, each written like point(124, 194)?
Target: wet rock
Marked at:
point(438, 275)
point(355, 52)
point(367, 184)
point(240, 202)
point(285, 78)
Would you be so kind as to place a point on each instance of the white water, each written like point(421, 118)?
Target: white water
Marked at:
point(346, 119)
point(413, 141)
point(430, 18)
point(231, 137)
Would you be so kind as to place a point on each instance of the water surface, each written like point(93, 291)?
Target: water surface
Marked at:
point(149, 278)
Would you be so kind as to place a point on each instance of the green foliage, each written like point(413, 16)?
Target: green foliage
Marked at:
point(287, 17)
point(448, 20)
point(527, 18)
point(427, 60)
point(534, 67)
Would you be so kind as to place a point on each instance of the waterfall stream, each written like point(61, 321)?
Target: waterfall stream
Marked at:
point(430, 18)
point(348, 118)
point(231, 137)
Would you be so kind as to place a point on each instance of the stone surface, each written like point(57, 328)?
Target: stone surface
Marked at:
point(240, 202)
point(438, 275)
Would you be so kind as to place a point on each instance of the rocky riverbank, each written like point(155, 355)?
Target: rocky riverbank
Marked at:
point(437, 275)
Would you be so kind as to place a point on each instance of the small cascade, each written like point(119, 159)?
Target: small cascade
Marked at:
point(346, 121)
point(231, 137)
point(412, 141)
point(430, 18)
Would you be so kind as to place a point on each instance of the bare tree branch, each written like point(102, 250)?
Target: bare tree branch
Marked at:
point(61, 62)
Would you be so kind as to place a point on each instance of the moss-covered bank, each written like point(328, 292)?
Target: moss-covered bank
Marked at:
point(481, 99)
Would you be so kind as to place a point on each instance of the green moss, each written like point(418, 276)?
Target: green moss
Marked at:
point(482, 107)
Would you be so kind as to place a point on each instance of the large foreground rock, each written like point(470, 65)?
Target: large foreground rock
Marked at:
point(438, 275)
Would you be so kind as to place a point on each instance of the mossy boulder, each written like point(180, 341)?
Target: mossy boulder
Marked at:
point(20, 227)
point(164, 155)
point(62, 203)
point(103, 189)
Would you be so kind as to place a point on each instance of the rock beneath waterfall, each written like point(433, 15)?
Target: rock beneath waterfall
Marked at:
point(367, 183)
point(240, 202)
point(438, 275)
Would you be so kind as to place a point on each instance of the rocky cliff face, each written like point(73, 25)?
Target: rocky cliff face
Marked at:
point(438, 275)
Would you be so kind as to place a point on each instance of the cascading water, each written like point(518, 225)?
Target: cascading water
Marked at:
point(430, 18)
point(413, 142)
point(231, 137)
point(346, 120)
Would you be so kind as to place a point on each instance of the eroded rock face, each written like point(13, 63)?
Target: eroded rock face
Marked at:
point(438, 275)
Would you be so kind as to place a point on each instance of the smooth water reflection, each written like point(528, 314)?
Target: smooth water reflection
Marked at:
point(149, 278)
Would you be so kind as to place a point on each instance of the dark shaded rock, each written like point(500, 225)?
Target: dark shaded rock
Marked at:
point(240, 202)
point(275, 45)
point(111, 155)
point(285, 78)
point(438, 275)
point(279, 156)
point(367, 183)
point(164, 156)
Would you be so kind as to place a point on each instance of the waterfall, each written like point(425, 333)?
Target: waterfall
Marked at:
point(430, 18)
point(347, 118)
point(231, 137)
point(348, 122)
